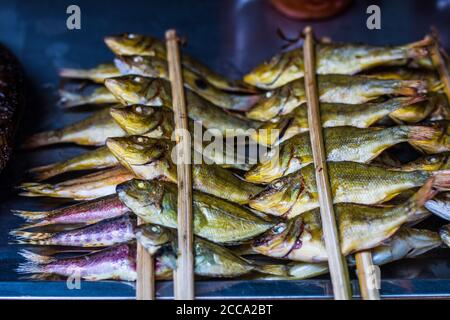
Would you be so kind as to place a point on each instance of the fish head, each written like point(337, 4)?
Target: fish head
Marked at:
point(268, 107)
point(144, 66)
point(152, 237)
point(143, 197)
point(135, 89)
point(280, 240)
point(444, 232)
point(428, 163)
point(137, 150)
point(137, 118)
point(132, 44)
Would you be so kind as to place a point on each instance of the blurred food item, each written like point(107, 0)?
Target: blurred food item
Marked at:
point(311, 9)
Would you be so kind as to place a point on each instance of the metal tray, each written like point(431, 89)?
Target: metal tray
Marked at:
point(231, 37)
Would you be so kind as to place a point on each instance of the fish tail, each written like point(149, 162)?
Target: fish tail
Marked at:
point(74, 73)
point(427, 139)
point(43, 139)
point(34, 189)
point(35, 263)
point(45, 172)
point(419, 49)
point(32, 215)
point(36, 238)
point(69, 99)
point(273, 269)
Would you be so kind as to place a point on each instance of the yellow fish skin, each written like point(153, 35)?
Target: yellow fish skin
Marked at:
point(332, 89)
point(97, 74)
point(344, 144)
point(333, 58)
point(214, 219)
point(351, 182)
point(360, 228)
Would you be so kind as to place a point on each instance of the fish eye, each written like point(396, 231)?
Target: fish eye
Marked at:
point(156, 229)
point(138, 109)
point(131, 36)
point(432, 159)
point(141, 185)
point(138, 79)
point(268, 94)
point(138, 59)
point(279, 228)
point(141, 139)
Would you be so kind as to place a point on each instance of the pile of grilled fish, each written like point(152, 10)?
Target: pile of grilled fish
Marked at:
point(377, 103)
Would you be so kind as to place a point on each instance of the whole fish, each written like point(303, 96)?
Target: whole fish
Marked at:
point(333, 58)
point(99, 158)
point(113, 263)
point(444, 232)
point(104, 233)
point(91, 186)
point(130, 44)
point(210, 259)
point(344, 144)
point(91, 131)
point(405, 243)
point(332, 89)
point(214, 219)
point(84, 213)
point(135, 153)
point(97, 74)
point(360, 228)
point(352, 182)
point(157, 92)
point(92, 94)
point(154, 67)
point(332, 115)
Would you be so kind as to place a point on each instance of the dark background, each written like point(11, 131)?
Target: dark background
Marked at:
point(229, 36)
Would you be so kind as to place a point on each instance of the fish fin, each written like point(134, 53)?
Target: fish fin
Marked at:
point(34, 189)
point(44, 172)
point(23, 237)
point(32, 215)
point(35, 258)
point(273, 269)
point(427, 139)
point(42, 139)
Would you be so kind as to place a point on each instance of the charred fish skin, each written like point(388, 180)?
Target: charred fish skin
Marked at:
point(332, 115)
point(99, 158)
point(344, 144)
point(215, 219)
point(12, 101)
point(140, 155)
point(91, 131)
point(104, 233)
point(360, 227)
point(114, 263)
point(131, 44)
point(88, 187)
point(156, 92)
point(332, 58)
point(87, 212)
point(350, 182)
point(154, 67)
point(332, 89)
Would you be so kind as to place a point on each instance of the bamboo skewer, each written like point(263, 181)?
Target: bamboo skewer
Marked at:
point(367, 277)
point(145, 268)
point(184, 286)
point(337, 264)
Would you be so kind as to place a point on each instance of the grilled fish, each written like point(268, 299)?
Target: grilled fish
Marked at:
point(97, 74)
point(214, 219)
point(332, 89)
point(104, 233)
point(154, 67)
point(344, 144)
point(156, 92)
point(360, 228)
point(130, 44)
point(83, 213)
point(352, 182)
point(210, 259)
point(333, 58)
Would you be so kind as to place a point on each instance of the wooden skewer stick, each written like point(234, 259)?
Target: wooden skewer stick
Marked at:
point(184, 287)
point(337, 264)
point(145, 268)
point(367, 276)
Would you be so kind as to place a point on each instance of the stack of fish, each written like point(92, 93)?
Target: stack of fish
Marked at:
point(372, 98)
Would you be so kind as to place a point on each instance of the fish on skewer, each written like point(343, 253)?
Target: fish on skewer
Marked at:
point(360, 227)
point(345, 144)
point(210, 259)
point(351, 182)
point(154, 67)
point(333, 58)
point(104, 233)
point(132, 44)
point(214, 219)
point(83, 213)
point(332, 89)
